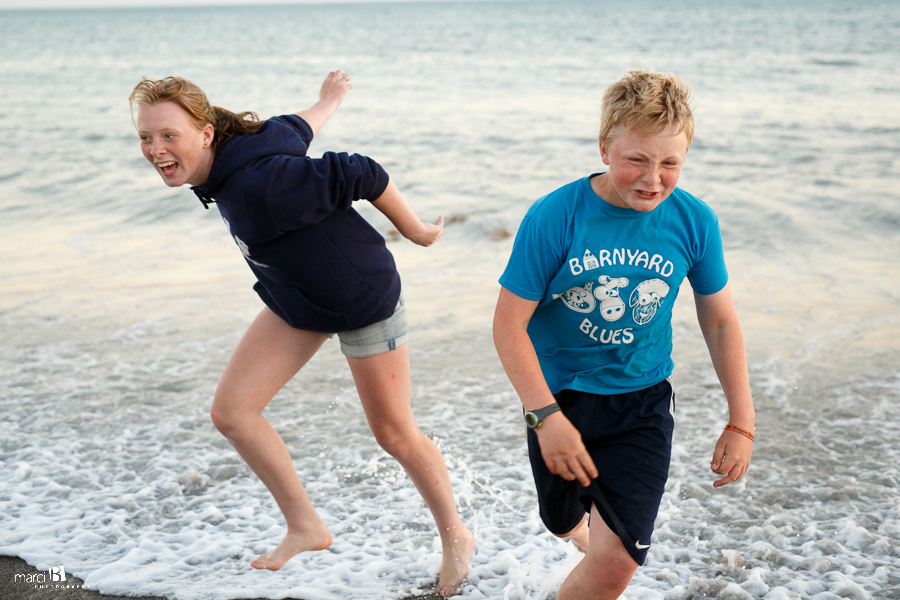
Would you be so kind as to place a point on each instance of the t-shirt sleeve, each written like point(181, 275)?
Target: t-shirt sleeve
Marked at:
point(303, 191)
point(708, 274)
point(534, 262)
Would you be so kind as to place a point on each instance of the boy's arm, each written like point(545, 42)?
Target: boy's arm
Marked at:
point(559, 440)
point(392, 205)
point(725, 340)
point(331, 94)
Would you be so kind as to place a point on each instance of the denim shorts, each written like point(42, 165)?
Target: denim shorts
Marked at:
point(629, 438)
point(377, 338)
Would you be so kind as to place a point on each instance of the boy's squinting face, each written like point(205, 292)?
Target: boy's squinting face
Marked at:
point(643, 170)
point(170, 142)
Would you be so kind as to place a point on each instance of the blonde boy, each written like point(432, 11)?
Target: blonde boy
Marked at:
point(583, 329)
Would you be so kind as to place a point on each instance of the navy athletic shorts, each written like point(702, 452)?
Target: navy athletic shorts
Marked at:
point(629, 438)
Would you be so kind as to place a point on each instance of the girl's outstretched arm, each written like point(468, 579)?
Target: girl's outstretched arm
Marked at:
point(392, 205)
point(331, 94)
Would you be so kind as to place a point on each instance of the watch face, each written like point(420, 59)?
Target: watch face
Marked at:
point(531, 420)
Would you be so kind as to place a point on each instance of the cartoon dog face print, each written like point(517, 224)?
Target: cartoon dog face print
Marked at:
point(646, 298)
point(611, 305)
point(579, 298)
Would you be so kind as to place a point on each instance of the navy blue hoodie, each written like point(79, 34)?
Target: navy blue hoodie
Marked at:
point(320, 266)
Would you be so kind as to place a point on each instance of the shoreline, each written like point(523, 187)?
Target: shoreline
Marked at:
point(10, 566)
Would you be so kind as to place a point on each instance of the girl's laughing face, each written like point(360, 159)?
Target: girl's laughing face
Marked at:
point(173, 145)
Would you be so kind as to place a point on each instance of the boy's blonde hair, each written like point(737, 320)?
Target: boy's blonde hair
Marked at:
point(648, 102)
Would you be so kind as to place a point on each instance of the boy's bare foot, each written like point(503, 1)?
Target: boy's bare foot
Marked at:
point(455, 563)
point(291, 545)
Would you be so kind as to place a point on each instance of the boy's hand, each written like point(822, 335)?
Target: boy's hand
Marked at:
point(731, 457)
point(426, 233)
point(563, 451)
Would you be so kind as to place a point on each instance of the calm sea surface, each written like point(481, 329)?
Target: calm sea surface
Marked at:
point(121, 300)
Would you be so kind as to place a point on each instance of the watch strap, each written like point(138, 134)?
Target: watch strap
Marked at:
point(534, 418)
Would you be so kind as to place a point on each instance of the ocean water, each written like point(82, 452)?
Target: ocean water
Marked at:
point(121, 300)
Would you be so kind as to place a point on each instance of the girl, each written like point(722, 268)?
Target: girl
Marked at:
point(321, 269)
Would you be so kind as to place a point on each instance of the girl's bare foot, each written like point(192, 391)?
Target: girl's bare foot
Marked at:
point(455, 563)
point(293, 544)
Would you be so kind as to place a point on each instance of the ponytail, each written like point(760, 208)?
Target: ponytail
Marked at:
point(228, 124)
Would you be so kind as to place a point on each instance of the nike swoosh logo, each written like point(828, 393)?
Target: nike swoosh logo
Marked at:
point(641, 546)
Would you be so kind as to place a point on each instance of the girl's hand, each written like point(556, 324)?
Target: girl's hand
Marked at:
point(331, 94)
point(334, 88)
point(426, 233)
point(392, 205)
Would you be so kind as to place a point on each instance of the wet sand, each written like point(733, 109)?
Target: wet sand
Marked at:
point(10, 589)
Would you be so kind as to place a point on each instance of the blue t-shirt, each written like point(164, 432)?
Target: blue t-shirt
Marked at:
point(605, 279)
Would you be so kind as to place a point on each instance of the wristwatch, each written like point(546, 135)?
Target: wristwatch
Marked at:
point(534, 418)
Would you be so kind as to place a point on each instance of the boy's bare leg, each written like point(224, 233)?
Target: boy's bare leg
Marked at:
point(383, 383)
point(606, 569)
point(580, 536)
point(269, 354)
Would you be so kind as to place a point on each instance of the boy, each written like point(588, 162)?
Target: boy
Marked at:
point(583, 329)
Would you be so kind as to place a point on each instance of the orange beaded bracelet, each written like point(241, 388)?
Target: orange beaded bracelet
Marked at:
point(737, 429)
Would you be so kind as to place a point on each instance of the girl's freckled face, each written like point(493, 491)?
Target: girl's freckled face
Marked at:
point(173, 145)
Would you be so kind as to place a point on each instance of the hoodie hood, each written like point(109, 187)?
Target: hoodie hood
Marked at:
point(274, 138)
point(320, 265)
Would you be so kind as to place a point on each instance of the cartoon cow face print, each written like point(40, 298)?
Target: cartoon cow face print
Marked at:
point(611, 305)
point(646, 298)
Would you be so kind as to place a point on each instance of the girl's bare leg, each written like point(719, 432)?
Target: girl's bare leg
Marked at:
point(383, 383)
point(267, 357)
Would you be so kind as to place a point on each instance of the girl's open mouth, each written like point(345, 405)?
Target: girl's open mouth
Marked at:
point(168, 168)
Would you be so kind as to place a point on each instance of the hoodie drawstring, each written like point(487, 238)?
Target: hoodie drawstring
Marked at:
point(206, 200)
